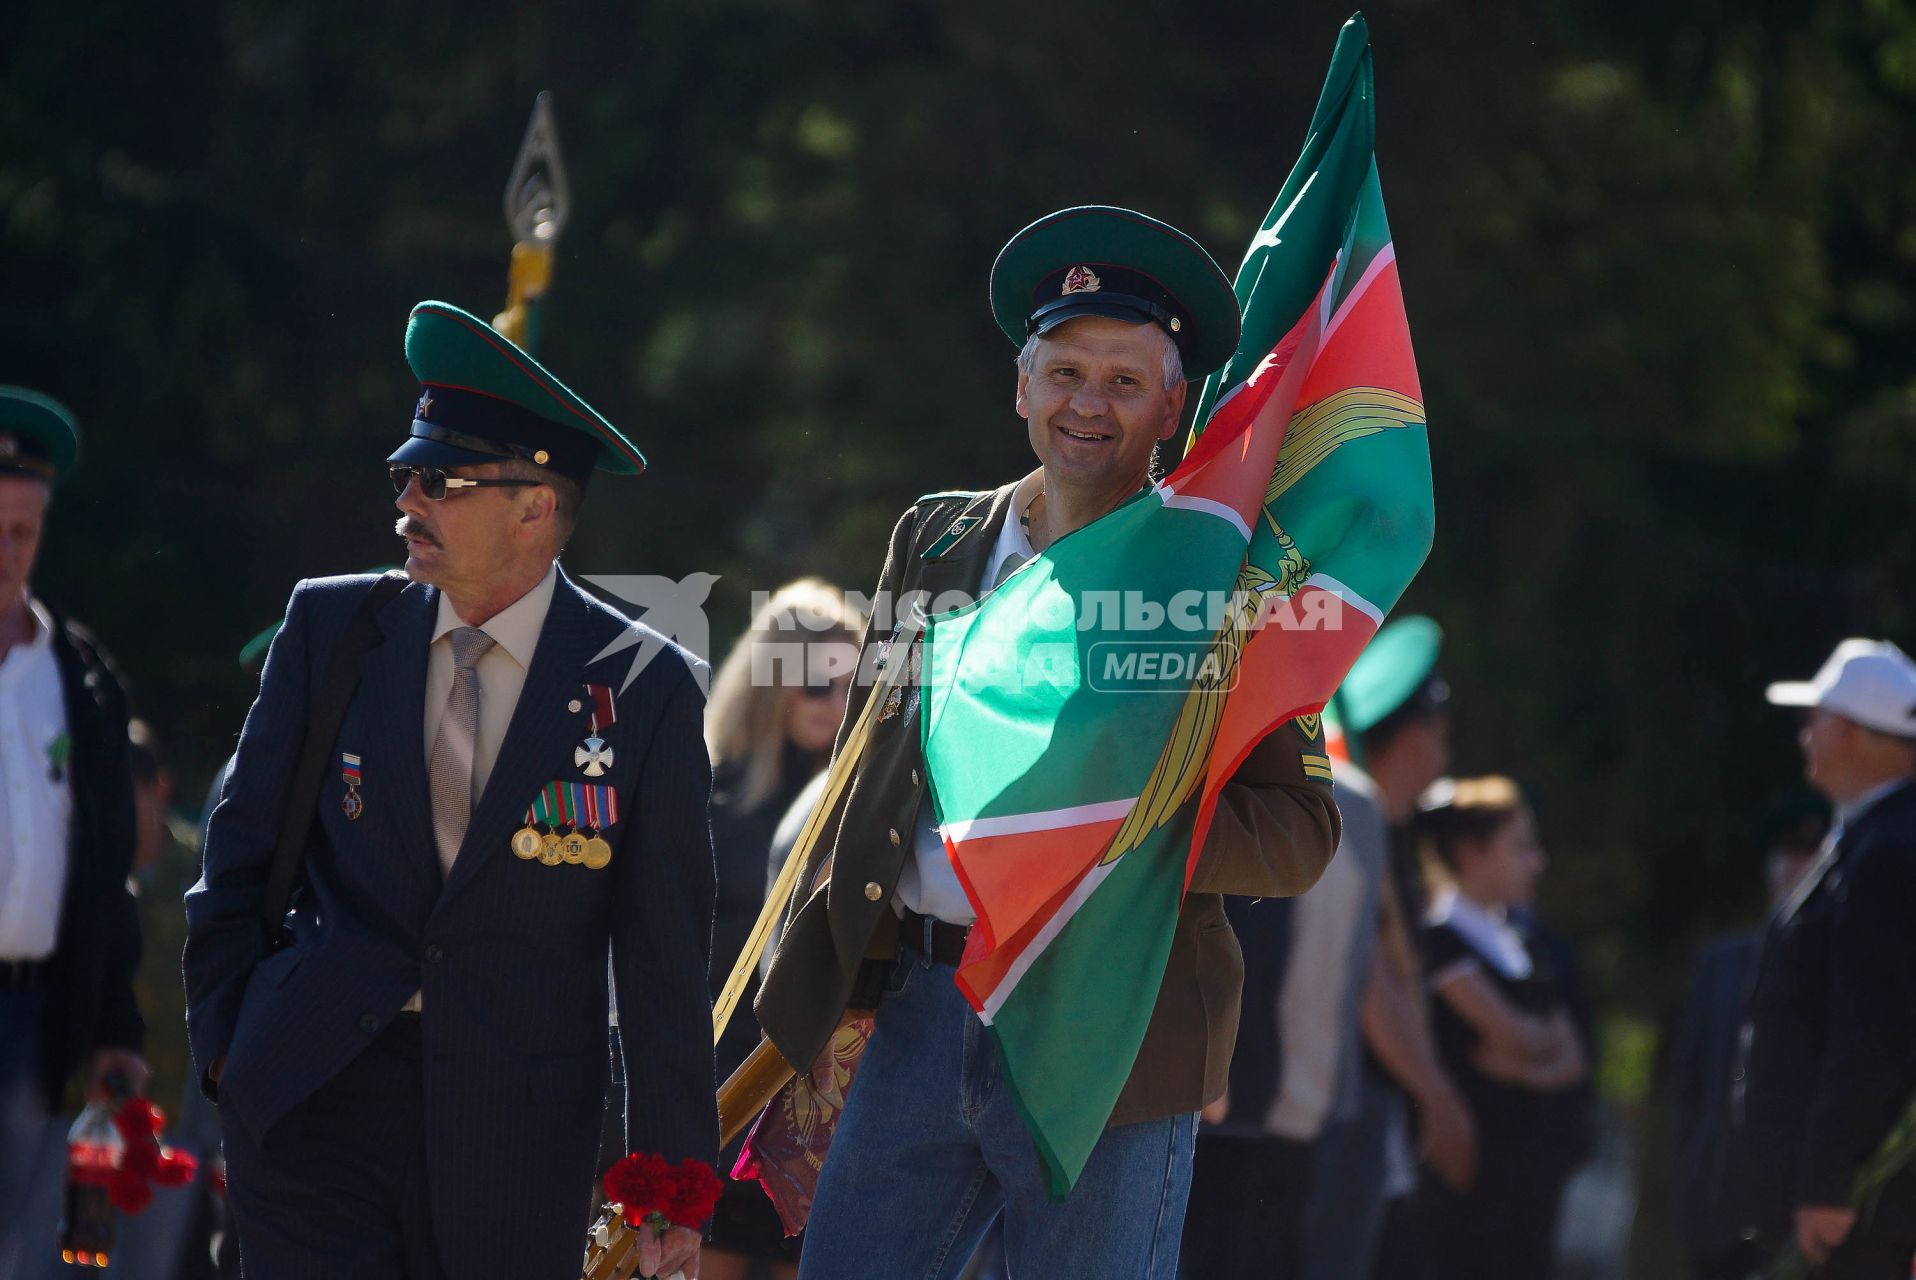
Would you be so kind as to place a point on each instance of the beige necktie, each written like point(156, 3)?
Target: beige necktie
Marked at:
point(452, 751)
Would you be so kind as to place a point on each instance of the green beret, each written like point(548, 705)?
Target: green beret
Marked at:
point(1393, 667)
point(38, 435)
point(1103, 261)
point(253, 652)
point(482, 399)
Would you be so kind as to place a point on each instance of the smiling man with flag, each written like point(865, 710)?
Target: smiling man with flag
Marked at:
point(1123, 729)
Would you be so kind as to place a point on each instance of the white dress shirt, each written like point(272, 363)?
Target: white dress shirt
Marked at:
point(36, 796)
point(927, 884)
point(501, 671)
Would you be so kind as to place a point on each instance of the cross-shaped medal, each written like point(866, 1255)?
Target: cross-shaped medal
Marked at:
point(593, 756)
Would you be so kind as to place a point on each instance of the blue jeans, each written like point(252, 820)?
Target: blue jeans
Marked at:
point(931, 1150)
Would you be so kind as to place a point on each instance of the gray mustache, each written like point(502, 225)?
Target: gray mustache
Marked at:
point(407, 527)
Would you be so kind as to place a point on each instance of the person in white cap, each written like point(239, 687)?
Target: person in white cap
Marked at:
point(1862, 722)
point(1828, 1047)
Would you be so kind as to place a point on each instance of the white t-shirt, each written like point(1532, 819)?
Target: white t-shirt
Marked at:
point(36, 796)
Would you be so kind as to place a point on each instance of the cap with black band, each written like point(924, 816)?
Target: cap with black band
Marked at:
point(1100, 260)
point(483, 399)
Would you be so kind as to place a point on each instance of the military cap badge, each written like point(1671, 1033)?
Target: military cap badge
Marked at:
point(1081, 279)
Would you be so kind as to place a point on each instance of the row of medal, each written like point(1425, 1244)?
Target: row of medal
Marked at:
point(565, 824)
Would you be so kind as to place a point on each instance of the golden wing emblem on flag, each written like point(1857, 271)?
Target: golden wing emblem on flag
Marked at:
point(1314, 433)
point(1319, 429)
point(1180, 766)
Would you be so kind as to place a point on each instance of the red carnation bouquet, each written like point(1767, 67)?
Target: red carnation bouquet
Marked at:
point(648, 1193)
point(143, 1163)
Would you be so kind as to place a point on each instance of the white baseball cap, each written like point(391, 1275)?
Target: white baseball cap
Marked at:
point(1869, 681)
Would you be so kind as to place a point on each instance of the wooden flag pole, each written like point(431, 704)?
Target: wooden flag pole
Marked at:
point(844, 765)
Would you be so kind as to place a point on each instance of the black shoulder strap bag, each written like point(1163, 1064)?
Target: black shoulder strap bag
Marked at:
point(323, 719)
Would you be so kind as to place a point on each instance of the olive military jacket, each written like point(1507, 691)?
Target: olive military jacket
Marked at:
point(1273, 834)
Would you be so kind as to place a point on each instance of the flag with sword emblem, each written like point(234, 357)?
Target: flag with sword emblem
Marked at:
point(1077, 752)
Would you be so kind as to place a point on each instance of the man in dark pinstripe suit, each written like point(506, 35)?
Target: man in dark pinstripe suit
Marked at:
point(412, 1087)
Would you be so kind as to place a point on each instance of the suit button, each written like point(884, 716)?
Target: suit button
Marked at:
point(368, 1023)
point(873, 891)
point(435, 953)
point(894, 837)
point(914, 777)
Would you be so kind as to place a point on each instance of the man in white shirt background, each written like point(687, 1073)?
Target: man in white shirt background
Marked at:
point(69, 936)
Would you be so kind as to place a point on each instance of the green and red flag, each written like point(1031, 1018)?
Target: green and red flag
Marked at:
point(1081, 720)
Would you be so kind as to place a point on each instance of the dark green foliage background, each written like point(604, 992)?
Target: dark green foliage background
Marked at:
point(1660, 269)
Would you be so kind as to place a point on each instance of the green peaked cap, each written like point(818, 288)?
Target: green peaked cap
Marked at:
point(1392, 667)
point(37, 434)
point(1100, 260)
point(482, 398)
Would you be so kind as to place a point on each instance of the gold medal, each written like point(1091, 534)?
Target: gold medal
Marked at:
point(572, 848)
point(526, 843)
point(549, 851)
point(598, 854)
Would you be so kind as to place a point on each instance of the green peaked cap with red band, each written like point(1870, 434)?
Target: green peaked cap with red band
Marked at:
point(1100, 260)
point(483, 399)
point(38, 435)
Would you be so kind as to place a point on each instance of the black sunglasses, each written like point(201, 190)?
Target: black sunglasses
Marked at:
point(434, 482)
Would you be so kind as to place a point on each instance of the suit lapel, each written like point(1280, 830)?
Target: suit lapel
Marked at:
point(538, 734)
point(966, 563)
point(393, 685)
point(946, 564)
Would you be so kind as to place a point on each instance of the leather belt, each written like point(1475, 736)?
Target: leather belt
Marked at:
point(20, 975)
point(939, 941)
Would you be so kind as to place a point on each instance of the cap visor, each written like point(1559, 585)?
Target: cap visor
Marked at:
point(1791, 693)
point(421, 452)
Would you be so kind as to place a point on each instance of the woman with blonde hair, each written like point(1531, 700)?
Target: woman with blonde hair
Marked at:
point(1504, 1030)
point(774, 711)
